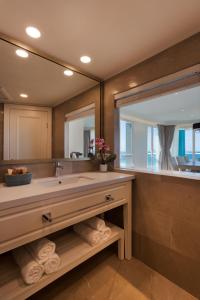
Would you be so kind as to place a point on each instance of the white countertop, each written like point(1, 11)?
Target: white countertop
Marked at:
point(11, 197)
point(171, 173)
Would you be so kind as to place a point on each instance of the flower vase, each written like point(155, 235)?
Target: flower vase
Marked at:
point(103, 167)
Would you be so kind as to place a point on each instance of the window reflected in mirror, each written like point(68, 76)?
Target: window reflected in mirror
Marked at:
point(80, 133)
point(162, 133)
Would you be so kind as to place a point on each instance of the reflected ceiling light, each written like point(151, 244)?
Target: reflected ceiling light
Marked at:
point(68, 72)
point(182, 109)
point(85, 59)
point(33, 32)
point(21, 53)
point(24, 95)
point(132, 84)
point(115, 92)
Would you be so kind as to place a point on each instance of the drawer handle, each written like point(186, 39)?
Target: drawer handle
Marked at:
point(47, 218)
point(109, 197)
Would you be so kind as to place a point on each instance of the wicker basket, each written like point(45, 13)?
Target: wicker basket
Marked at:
point(19, 179)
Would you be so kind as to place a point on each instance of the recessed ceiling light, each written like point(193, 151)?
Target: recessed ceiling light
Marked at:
point(68, 72)
point(33, 32)
point(21, 53)
point(24, 95)
point(85, 59)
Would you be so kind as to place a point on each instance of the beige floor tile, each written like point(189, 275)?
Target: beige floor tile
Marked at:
point(135, 274)
point(104, 277)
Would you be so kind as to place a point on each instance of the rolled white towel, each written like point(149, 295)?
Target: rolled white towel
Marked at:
point(90, 235)
point(96, 223)
point(31, 270)
point(52, 264)
point(41, 249)
point(105, 233)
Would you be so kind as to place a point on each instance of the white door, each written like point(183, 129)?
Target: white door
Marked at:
point(27, 132)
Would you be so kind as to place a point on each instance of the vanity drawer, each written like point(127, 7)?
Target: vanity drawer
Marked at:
point(23, 223)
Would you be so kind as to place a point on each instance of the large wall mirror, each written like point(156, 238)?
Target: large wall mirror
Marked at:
point(162, 132)
point(46, 110)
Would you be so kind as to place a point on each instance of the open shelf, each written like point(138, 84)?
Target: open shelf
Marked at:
point(72, 251)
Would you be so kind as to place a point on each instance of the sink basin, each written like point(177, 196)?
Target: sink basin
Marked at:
point(51, 182)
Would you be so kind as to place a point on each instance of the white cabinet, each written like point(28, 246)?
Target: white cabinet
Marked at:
point(27, 223)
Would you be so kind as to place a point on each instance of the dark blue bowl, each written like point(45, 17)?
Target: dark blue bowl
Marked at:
point(19, 179)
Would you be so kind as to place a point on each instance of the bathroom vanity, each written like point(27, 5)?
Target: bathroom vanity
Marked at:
point(50, 205)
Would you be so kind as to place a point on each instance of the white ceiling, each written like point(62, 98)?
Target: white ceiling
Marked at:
point(175, 108)
point(41, 79)
point(115, 33)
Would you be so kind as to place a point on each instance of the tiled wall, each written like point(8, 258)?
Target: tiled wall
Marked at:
point(166, 227)
point(1, 131)
point(166, 211)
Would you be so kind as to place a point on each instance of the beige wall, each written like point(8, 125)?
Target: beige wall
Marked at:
point(59, 112)
point(166, 210)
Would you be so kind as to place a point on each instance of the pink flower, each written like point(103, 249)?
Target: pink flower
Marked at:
point(106, 147)
point(101, 146)
point(99, 141)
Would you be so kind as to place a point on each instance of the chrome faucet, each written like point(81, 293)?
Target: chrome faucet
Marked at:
point(59, 167)
point(75, 154)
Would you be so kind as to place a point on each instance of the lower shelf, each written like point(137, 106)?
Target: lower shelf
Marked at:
point(72, 250)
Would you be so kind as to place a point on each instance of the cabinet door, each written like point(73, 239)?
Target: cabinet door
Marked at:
point(28, 133)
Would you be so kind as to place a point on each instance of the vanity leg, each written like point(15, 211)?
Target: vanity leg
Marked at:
point(127, 214)
point(121, 248)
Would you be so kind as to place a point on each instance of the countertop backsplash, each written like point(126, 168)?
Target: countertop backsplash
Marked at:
point(46, 168)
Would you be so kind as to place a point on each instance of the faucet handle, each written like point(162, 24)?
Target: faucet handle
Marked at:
point(58, 165)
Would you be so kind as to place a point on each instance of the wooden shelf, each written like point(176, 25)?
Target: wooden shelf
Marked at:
point(72, 250)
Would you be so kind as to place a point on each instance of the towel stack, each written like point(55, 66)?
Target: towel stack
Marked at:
point(36, 258)
point(31, 271)
point(93, 230)
point(43, 251)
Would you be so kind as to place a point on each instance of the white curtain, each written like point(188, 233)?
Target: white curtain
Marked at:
point(166, 134)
